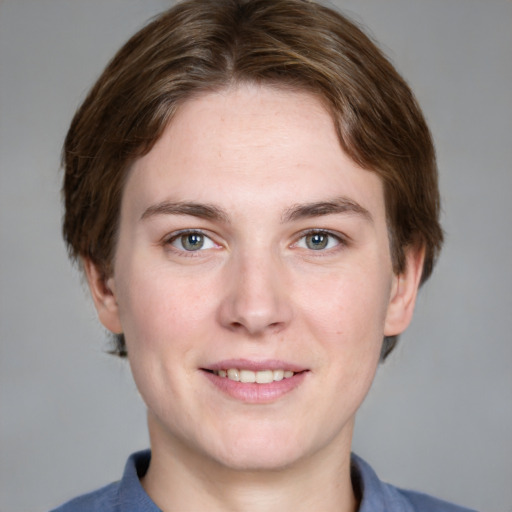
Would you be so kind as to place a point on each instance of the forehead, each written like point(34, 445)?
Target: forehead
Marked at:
point(254, 144)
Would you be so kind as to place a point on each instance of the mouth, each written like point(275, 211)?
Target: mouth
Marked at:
point(255, 382)
point(249, 376)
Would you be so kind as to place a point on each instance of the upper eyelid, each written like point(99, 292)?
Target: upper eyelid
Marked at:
point(342, 242)
point(169, 237)
point(312, 231)
point(168, 243)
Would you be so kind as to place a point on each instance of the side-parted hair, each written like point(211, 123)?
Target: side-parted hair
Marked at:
point(206, 45)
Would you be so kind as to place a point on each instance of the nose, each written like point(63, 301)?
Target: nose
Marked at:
point(255, 299)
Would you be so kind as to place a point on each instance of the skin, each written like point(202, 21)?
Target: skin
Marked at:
point(257, 291)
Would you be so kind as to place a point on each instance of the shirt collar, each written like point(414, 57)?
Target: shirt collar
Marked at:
point(374, 495)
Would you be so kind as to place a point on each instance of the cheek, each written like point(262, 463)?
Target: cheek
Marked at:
point(163, 319)
point(351, 333)
point(348, 307)
point(164, 310)
point(347, 319)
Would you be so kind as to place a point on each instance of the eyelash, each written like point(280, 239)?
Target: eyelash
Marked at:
point(340, 241)
point(168, 242)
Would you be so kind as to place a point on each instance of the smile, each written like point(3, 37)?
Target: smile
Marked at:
point(258, 377)
point(255, 382)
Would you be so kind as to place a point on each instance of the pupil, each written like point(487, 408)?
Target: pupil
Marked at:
point(192, 242)
point(317, 241)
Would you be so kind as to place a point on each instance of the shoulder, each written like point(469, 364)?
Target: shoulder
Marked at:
point(127, 494)
point(377, 496)
point(105, 499)
point(420, 502)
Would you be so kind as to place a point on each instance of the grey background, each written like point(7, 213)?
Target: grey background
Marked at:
point(439, 416)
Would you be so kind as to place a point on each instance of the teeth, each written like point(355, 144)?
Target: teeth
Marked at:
point(247, 376)
point(233, 374)
point(261, 377)
point(278, 374)
point(265, 377)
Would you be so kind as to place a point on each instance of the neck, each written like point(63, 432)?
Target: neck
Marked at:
point(182, 479)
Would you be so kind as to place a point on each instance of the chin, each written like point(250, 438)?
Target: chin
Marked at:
point(259, 460)
point(262, 451)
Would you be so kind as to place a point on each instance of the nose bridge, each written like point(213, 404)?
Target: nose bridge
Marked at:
point(256, 298)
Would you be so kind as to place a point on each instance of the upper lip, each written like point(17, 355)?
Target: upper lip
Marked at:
point(256, 366)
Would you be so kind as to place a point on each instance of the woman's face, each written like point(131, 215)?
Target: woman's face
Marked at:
point(252, 248)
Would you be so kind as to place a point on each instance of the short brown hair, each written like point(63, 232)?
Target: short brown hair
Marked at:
point(202, 45)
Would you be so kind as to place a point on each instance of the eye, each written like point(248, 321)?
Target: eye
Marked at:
point(191, 241)
point(319, 241)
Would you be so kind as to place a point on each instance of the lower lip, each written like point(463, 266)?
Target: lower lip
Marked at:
point(256, 393)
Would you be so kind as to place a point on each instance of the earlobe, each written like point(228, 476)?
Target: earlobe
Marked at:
point(104, 297)
point(404, 292)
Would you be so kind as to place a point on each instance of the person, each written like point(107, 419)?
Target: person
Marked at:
point(251, 191)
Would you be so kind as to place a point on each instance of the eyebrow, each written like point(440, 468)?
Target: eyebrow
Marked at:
point(203, 211)
point(295, 212)
point(317, 209)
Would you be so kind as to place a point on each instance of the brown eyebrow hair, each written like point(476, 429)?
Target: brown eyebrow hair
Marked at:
point(203, 211)
point(316, 209)
point(295, 212)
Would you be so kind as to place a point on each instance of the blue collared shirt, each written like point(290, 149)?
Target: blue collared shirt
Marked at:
point(128, 495)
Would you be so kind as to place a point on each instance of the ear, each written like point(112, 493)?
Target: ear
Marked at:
point(403, 293)
point(103, 294)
